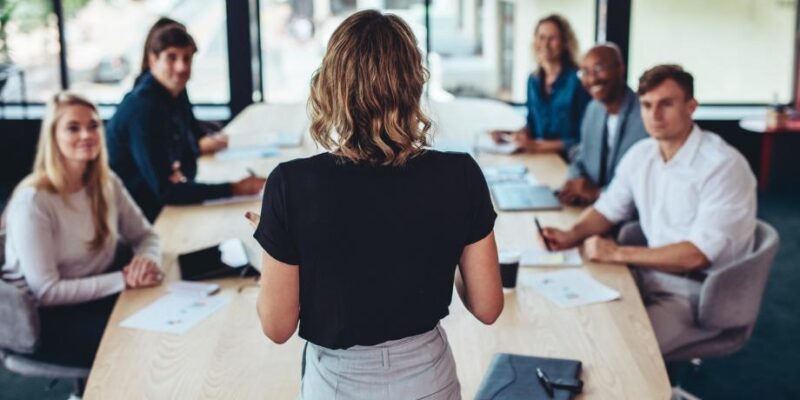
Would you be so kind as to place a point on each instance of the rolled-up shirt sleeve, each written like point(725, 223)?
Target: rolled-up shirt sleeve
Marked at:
point(726, 211)
point(616, 203)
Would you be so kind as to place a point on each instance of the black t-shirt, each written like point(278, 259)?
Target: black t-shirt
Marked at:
point(376, 246)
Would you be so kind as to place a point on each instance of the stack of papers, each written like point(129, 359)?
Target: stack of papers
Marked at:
point(236, 153)
point(570, 288)
point(544, 258)
point(485, 144)
point(175, 313)
point(496, 148)
point(282, 139)
point(245, 198)
point(289, 139)
point(512, 173)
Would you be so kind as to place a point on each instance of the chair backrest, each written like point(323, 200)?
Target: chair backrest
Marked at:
point(731, 295)
point(19, 316)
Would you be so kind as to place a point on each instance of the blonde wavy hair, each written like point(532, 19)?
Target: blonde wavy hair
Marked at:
point(365, 96)
point(569, 56)
point(49, 172)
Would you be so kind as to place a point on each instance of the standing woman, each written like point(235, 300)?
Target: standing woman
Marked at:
point(63, 224)
point(556, 98)
point(152, 144)
point(362, 242)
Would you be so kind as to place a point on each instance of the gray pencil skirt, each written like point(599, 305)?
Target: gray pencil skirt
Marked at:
point(416, 367)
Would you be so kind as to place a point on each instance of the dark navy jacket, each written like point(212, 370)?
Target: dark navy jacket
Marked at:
point(150, 130)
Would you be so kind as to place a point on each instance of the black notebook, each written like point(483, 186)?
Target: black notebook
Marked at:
point(513, 377)
point(224, 260)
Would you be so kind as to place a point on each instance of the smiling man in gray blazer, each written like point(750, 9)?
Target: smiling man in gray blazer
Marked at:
point(611, 125)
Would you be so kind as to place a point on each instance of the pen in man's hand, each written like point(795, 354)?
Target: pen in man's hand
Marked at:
point(545, 381)
point(541, 233)
point(251, 172)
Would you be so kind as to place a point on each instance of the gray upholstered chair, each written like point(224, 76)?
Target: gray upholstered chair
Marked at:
point(730, 297)
point(19, 334)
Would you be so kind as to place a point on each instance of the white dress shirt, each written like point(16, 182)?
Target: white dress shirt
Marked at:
point(706, 194)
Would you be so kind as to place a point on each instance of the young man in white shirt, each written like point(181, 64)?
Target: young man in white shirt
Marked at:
point(696, 200)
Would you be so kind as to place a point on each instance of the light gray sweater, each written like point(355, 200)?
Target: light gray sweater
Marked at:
point(47, 247)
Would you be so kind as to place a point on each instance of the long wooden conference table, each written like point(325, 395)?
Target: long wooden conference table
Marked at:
point(226, 356)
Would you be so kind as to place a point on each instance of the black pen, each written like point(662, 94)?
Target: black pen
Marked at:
point(251, 172)
point(545, 381)
point(541, 233)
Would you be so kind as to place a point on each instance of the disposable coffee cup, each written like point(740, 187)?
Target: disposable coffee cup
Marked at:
point(509, 266)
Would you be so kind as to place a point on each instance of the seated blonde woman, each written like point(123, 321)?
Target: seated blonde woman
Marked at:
point(362, 242)
point(63, 225)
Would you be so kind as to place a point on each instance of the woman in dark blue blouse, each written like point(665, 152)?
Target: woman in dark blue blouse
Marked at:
point(152, 143)
point(556, 99)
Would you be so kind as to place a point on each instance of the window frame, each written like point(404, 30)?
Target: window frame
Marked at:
point(613, 23)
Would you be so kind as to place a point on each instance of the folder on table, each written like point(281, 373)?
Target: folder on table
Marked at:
point(513, 377)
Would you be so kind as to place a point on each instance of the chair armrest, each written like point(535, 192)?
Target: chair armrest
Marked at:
point(731, 295)
point(631, 234)
point(19, 320)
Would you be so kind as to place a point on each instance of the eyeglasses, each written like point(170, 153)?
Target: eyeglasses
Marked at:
point(597, 69)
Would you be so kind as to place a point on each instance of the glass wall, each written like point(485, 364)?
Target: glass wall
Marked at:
point(483, 48)
point(29, 51)
point(739, 51)
point(105, 43)
point(294, 35)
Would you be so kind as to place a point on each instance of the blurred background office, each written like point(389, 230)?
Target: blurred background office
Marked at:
point(742, 53)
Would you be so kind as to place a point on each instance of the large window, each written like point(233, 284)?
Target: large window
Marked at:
point(463, 55)
point(483, 48)
point(294, 35)
point(581, 16)
point(739, 51)
point(479, 48)
point(105, 43)
point(28, 51)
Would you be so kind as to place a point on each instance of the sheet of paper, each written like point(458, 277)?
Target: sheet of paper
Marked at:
point(544, 258)
point(269, 138)
point(175, 313)
point(233, 253)
point(510, 173)
point(570, 288)
point(485, 144)
point(289, 139)
point(496, 148)
point(237, 153)
point(235, 199)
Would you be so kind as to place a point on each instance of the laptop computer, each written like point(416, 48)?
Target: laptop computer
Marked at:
point(518, 196)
